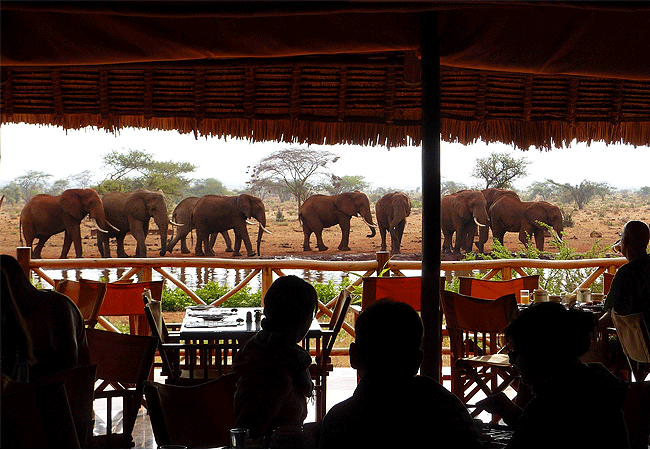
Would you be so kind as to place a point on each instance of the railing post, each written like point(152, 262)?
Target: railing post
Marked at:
point(267, 280)
point(24, 256)
point(147, 273)
point(506, 273)
point(382, 263)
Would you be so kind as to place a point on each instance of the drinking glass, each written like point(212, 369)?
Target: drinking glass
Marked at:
point(525, 296)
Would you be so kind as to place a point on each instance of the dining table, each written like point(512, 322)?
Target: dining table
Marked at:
point(219, 332)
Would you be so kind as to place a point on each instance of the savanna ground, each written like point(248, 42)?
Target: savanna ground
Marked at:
point(598, 224)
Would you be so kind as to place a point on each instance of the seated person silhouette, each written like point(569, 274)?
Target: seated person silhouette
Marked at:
point(391, 406)
point(574, 405)
point(274, 382)
point(52, 321)
point(630, 290)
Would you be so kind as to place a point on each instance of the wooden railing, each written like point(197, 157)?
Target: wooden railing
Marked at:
point(268, 268)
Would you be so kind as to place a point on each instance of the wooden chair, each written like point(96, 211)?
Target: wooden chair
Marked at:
point(636, 411)
point(323, 365)
point(187, 362)
point(198, 416)
point(37, 415)
point(475, 326)
point(634, 338)
point(607, 282)
point(491, 290)
point(123, 364)
point(125, 299)
point(400, 289)
point(79, 387)
point(88, 296)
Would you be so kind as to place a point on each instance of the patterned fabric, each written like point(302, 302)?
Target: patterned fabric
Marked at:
point(630, 291)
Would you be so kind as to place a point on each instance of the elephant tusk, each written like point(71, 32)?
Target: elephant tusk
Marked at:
point(263, 228)
point(98, 227)
point(371, 225)
point(176, 224)
point(250, 222)
point(112, 226)
point(479, 223)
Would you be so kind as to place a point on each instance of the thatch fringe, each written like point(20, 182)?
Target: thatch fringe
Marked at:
point(543, 135)
point(301, 103)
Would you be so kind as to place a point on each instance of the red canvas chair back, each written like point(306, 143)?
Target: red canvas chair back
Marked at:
point(401, 289)
point(87, 295)
point(491, 290)
point(125, 299)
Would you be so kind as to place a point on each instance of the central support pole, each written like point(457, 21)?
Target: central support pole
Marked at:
point(430, 297)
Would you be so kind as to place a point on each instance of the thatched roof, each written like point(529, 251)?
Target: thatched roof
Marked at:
point(519, 73)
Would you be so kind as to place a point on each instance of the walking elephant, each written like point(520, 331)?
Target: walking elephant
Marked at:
point(460, 213)
point(511, 214)
point(391, 211)
point(324, 211)
point(46, 215)
point(491, 195)
point(182, 215)
point(219, 213)
point(132, 211)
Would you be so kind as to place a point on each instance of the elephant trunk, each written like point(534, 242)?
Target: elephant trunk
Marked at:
point(367, 217)
point(163, 224)
point(262, 229)
point(98, 217)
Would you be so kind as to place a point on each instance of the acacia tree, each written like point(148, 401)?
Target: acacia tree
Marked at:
point(499, 170)
point(135, 169)
point(32, 182)
point(346, 183)
point(582, 193)
point(298, 171)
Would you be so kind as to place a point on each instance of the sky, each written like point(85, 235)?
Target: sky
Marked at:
point(59, 153)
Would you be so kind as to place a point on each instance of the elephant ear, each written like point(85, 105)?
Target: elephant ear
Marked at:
point(244, 204)
point(536, 213)
point(71, 204)
point(137, 207)
point(459, 205)
point(345, 204)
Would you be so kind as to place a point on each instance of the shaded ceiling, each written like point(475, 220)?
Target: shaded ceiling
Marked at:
point(337, 72)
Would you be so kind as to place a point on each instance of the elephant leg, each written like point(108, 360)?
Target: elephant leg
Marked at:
point(36, 253)
point(67, 242)
point(539, 240)
point(499, 236)
point(140, 235)
point(184, 248)
point(446, 244)
point(247, 242)
point(205, 241)
point(345, 235)
point(306, 231)
point(76, 240)
point(121, 253)
point(226, 237)
point(525, 235)
point(382, 233)
point(396, 238)
point(198, 248)
point(237, 247)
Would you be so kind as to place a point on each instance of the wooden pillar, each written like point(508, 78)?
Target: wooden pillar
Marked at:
point(382, 263)
point(24, 256)
point(267, 280)
point(430, 297)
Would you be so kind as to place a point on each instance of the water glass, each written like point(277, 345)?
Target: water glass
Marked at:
point(524, 294)
point(238, 437)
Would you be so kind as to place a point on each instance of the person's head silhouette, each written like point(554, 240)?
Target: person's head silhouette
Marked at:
point(289, 307)
point(546, 338)
point(388, 340)
point(634, 239)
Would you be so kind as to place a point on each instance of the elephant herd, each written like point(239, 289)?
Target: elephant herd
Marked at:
point(118, 213)
point(498, 209)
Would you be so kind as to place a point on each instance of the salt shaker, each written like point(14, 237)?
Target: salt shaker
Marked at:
point(249, 317)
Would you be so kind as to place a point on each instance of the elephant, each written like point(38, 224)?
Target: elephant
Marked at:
point(511, 214)
point(391, 211)
point(491, 195)
point(46, 215)
point(218, 213)
point(182, 214)
point(324, 211)
point(131, 211)
point(460, 213)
